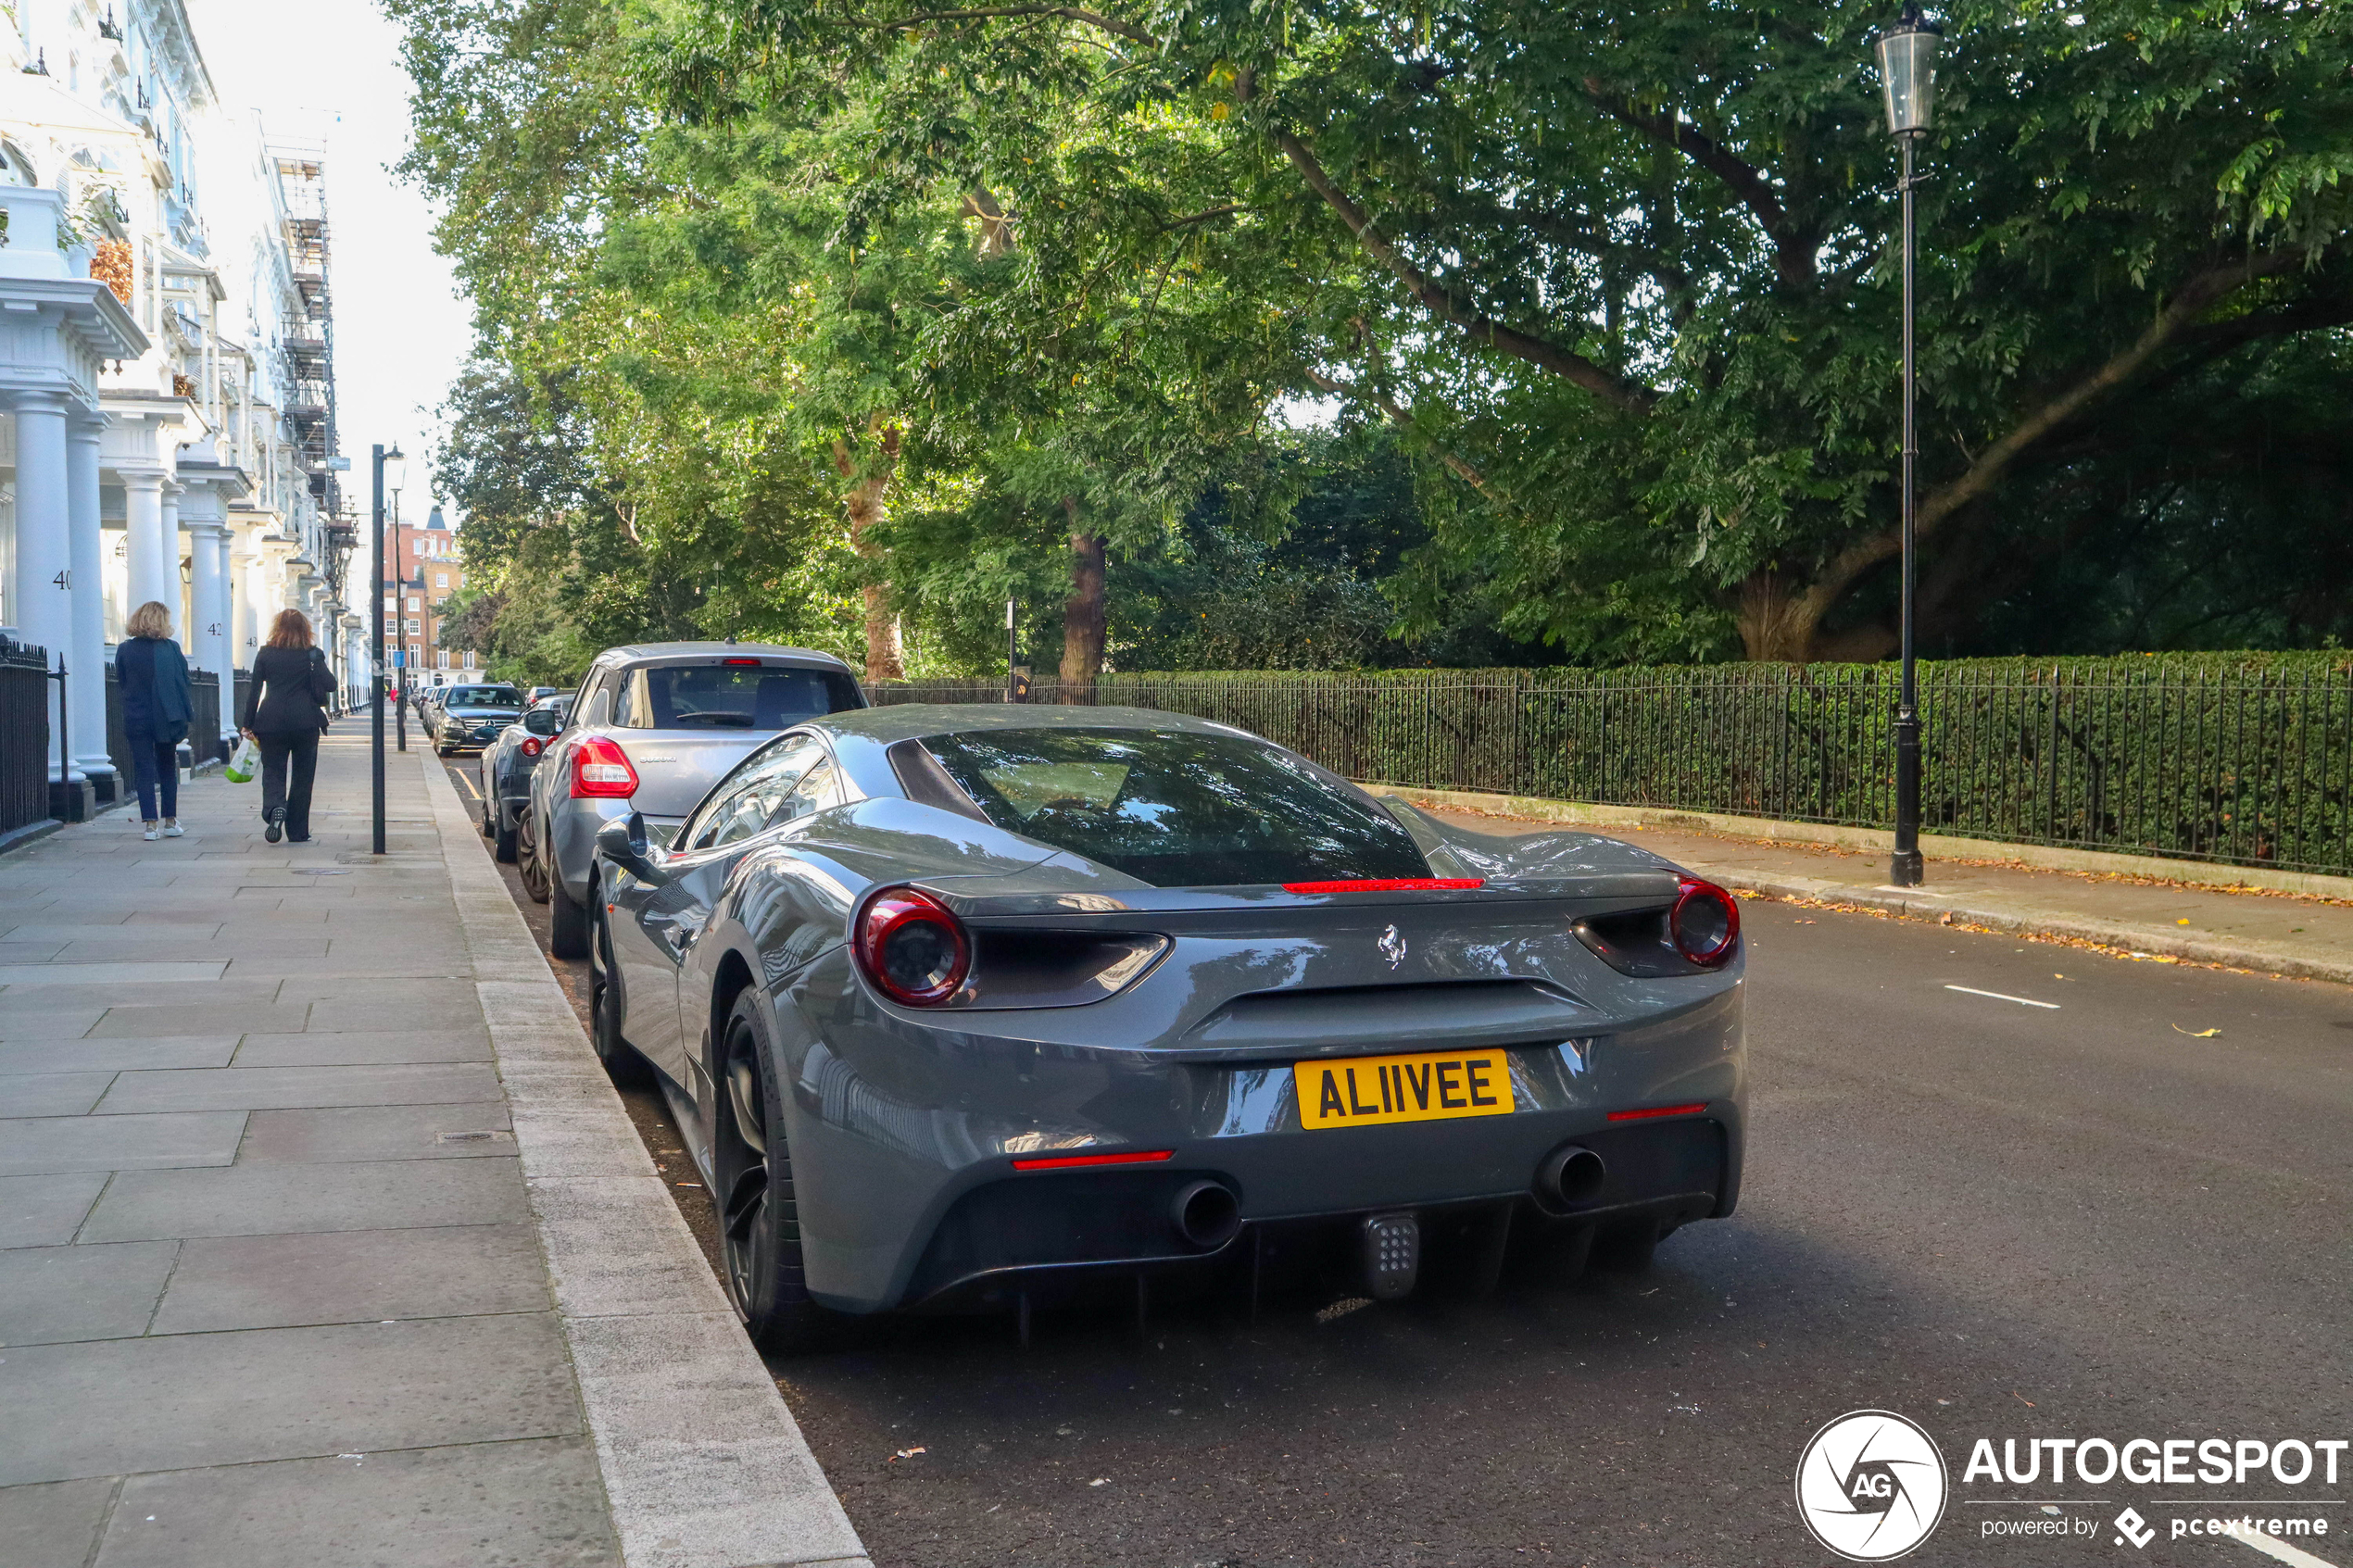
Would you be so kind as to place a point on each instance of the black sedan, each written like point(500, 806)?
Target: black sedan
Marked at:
point(505, 772)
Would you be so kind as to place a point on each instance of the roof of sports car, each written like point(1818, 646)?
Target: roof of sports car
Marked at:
point(905, 721)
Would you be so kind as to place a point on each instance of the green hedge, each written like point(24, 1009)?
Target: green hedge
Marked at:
point(2242, 758)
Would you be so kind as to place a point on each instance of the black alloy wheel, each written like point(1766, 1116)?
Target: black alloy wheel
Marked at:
point(758, 1221)
point(533, 869)
point(607, 1004)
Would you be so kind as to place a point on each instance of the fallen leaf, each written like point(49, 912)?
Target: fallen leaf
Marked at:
point(907, 1453)
point(2022, 1398)
point(2181, 922)
point(2197, 1033)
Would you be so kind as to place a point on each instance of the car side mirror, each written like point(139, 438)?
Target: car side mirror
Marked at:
point(623, 842)
point(542, 721)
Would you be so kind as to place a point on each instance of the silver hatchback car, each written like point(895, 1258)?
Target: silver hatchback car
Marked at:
point(652, 728)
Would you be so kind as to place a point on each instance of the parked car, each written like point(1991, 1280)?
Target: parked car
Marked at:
point(965, 1006)
point(652, 728)
point(503, 776)
point(464, 718)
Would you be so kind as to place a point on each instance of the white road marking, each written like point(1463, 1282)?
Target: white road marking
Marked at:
point(2271, 1546)
point(2022, 1001)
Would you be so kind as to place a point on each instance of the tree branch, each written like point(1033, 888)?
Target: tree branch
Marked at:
point(2194, 297)
point(1405, 420)
point(1462, 317)
point(1792, 250)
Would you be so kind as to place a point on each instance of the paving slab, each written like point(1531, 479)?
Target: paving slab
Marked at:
point(50, 1295)
point(272, 1199)
point(54, 1523)
point(255, 1088)
point(46, 1211)
point(46, 1022)
point(115, 1056)
point(462, 1130)
point(16, 976)
point(535, 1503)
point(362, 1047)
point(169, 1401)
point(50, 1094)
point(353, 1276)
point(36, 1144)
point(144, 1022)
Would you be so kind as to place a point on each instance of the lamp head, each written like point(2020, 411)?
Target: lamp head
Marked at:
point(1907, 71)
point(396, 470)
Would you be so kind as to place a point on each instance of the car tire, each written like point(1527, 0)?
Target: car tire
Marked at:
point(607, 1005)
point(439, 750)
point(567, 920)
point(528, 861)
point(503, 842)
point(489, 813)
point(759, 1219)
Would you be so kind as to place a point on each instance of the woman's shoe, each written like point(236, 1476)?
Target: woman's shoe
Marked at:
point(277, 827)
point(149, 832)
point(172, 828)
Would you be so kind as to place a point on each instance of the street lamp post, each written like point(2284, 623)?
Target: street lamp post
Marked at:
point(1907, 76)
point(379, 459)
point(400, 573)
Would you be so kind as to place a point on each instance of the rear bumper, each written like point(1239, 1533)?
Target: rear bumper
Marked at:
point(904, 1149)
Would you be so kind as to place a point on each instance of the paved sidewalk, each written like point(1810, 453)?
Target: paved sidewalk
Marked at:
point(289, 1136)
point(2272, 934)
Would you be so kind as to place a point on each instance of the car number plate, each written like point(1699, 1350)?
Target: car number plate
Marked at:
point(1368, 1091)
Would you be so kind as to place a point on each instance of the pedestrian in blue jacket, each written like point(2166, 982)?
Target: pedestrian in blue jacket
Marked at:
point(153, 674)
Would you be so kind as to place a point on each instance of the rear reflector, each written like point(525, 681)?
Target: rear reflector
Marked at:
point(1391, 885)
point(1658, 1111)
point(1064, 1162)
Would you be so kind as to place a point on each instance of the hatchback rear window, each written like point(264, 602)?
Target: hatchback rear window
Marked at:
point(1177, 808)
point(483, 697)
point(733, 697)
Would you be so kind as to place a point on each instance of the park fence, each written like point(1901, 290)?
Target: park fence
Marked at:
point(2242, 758)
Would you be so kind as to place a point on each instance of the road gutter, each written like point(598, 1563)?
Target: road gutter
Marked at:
point(704, 1466)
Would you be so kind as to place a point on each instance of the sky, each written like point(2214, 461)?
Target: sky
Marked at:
point(330, 69)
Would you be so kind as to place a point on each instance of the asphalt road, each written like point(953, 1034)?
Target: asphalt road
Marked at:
point(2002, 1220)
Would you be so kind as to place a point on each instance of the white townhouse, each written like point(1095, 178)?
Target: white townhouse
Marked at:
point(166, 362)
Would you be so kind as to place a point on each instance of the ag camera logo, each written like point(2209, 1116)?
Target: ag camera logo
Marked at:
point(1871, 1485)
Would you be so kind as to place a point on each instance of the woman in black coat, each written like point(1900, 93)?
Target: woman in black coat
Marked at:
point(153, 676)
point(285, 710)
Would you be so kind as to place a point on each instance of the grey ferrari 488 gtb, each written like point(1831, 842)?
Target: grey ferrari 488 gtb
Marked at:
point(963, 1006)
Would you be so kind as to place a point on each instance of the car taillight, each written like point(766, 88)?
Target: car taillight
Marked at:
point(600, 770)
point(912, 947)
point(532, 745)
point(1704, 923)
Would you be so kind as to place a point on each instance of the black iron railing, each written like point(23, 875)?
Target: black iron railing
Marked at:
point(2242, 760)
point(26, 696)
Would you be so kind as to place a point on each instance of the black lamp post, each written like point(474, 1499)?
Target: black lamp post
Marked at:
point(1907, 75)
point(378, 459)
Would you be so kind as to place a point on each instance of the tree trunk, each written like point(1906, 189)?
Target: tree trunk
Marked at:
point(1776, 619)
point(1083, 622)
point(885, 653)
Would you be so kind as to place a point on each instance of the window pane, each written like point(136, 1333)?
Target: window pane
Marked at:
point(1177, 809)
point(735, 697)
point(485, 696)
point(746, 801)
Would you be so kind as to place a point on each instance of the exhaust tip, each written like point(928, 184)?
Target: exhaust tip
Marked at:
point(1206, 1214)
point(1571, 1174)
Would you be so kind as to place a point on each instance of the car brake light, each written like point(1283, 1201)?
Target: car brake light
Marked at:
point(1389, 885)
point(912, 947)
point(1070, 1161)
point(1704, 923)
point(532, 747)
point(741, 663)
point(600, 770)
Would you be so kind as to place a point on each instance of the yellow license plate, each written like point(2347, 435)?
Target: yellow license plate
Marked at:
point(1368, 1091)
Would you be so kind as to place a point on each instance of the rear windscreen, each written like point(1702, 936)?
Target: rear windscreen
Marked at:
point(1177, 809)
point(483, 697)
point(725, 696)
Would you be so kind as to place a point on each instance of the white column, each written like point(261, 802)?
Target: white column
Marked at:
point(226, 603)
point(169, 531)
point(143, 541)
point(45, 545)
point(209, 625)
point(88, 548)
point(244, 631)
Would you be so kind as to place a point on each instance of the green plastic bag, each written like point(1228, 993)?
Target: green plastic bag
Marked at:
point(245, 764)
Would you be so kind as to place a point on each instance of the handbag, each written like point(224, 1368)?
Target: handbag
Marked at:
point(245, 764)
